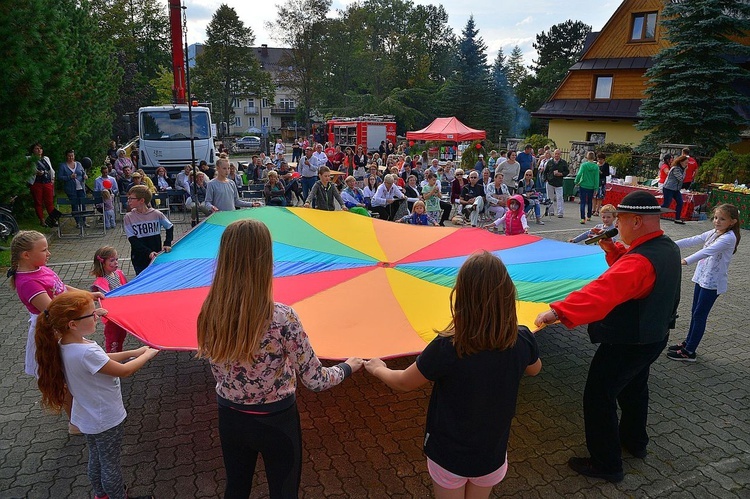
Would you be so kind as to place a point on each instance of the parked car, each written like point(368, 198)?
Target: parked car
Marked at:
point(248, 143)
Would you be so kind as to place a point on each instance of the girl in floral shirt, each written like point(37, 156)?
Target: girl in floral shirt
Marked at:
point(256, 354)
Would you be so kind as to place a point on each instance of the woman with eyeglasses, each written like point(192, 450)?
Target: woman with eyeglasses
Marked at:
point(527, 188)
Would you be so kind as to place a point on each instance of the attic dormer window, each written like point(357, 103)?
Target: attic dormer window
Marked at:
point(644, 27)
point(602, 87)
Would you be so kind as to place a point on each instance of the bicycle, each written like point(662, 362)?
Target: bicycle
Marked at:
point(8, 223)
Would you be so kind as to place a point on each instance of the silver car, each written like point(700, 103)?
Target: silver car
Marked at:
point(248, 143)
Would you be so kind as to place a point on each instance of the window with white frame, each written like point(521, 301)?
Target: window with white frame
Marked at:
point(251, 122)
point(235, 102)
point(286, 103)
point(265, 121)
point(265, 103)
point(237, 121)
point(603, 87)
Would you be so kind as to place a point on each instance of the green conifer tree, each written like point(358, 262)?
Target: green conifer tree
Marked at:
point(468, 93)
point(695, 82)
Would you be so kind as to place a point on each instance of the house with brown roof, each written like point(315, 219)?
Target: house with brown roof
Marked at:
point(600, 96)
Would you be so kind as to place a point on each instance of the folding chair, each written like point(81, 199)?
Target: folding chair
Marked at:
point(177, 203)
point(161, 200)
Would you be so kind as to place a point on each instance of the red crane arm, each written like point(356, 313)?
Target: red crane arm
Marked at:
point(178, 53)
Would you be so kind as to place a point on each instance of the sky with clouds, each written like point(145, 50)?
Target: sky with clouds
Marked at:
point(501, 24)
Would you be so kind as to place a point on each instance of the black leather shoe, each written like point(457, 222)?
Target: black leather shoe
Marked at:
point(639, 453)
point(583, 466)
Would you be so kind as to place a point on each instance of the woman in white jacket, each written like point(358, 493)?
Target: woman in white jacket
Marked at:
point(711, 274)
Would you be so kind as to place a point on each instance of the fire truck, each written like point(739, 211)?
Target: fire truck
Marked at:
point(369, 130)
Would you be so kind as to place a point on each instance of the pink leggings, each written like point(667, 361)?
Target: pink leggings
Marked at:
point(114, 337)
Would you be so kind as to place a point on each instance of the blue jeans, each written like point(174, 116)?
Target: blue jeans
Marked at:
point(307, 185)
point(537, 208)
point(669, 194)
point(587, 200)
point(76, 204)
point(703, 300)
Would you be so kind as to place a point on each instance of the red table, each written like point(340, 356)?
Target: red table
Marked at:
point(614, 193)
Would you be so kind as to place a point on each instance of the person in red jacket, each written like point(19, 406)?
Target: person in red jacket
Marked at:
point(642, 290)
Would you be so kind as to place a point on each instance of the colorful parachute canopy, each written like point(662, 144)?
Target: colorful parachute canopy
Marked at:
point(361, 286)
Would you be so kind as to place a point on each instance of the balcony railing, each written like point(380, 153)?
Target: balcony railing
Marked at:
point(283, 110)
point(251, 110)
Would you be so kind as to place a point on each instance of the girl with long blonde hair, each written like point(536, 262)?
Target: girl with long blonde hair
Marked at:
point(256, 349)
point(36, 286)
point(476, 364)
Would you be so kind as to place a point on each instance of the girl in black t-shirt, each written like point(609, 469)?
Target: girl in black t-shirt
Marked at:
point(476, 364)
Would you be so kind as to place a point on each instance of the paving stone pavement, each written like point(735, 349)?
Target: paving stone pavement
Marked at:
point(363, 440)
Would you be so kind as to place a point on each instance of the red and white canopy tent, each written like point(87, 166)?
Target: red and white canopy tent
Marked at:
point(447, 129)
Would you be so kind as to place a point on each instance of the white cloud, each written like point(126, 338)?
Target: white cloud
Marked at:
point(527, 20)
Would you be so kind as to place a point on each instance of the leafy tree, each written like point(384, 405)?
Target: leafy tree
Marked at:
point(534, 90)
point(380, 45)
point(515, 69)
point(151, 29)
point(59, 85)
point(162, 85)
point(139, 31)
point(133, 94)
point(227, 68)
point(300, 25)
point(33, 81)
point(342, 52)
point(694, 85)
point(86, 123)
point(468, 93)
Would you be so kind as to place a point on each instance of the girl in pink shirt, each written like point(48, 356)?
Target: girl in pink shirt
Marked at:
point(109, 277)
point(36, 286)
